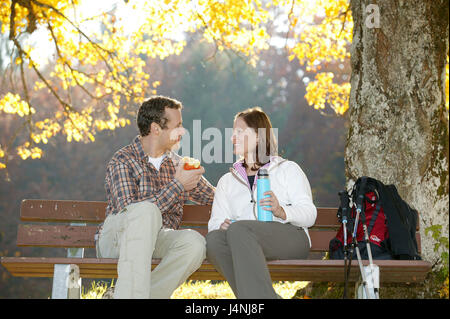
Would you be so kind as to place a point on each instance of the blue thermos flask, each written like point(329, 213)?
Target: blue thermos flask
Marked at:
point(262, 186)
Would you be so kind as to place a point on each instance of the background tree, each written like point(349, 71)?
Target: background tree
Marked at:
point(398, 115)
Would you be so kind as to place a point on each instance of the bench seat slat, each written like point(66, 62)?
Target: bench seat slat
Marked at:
point(292, 270)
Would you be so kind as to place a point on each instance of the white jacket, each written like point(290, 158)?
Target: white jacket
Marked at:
point(233, 198)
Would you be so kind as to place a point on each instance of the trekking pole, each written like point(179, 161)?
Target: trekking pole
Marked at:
point(360, 211)
point(369, 253)
point(344, 213)
point(358, 255)
point(349, 265)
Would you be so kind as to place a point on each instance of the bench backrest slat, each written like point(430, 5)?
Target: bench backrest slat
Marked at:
point(56, 236)
point(196, 215)
point(83, 236)
point(38, 210)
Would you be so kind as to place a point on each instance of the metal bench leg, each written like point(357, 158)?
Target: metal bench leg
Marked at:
point(66, 278)
point(372, 284)
point(66, 282)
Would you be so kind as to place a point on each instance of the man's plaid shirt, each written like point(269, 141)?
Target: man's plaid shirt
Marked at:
point(130, 178)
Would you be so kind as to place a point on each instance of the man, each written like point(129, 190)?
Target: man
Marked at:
point(146, 187)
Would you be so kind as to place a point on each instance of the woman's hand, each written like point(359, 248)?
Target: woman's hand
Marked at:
point(226, 223)
point(275, 207)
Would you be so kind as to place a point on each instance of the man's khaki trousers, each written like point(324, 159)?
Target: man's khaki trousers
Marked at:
point(135, 236)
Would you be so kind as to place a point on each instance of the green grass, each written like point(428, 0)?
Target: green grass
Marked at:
point(202, 290)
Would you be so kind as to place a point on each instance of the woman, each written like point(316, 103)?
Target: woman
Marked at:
point(237, 243)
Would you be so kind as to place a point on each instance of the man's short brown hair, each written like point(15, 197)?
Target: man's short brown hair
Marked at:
point(153, 110)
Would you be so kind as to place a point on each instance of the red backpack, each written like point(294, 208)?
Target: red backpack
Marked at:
point(375, 220)
point(391, 222)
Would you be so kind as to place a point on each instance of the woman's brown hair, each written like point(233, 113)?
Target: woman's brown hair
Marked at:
point(258, 120)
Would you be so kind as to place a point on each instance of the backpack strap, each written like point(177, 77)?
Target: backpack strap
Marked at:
point(374, 217)
point(361, 192)
point(368, 184)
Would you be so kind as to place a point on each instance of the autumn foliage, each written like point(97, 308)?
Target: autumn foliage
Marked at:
point(94, 68)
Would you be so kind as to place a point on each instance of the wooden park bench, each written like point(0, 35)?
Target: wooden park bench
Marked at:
point(72, 225)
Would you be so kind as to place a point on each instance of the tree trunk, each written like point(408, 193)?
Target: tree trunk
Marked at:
point(398, 121)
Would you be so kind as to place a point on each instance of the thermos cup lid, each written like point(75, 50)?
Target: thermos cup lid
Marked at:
point(263, 172)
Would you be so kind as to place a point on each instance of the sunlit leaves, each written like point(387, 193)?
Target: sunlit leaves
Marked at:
point(45, 130)
point(157, 37)
point(321, 39)
point(238, 25)
point(324, 90)
point(95, 66)
point(96, 75)
point(2, 154)
point(30, 14)
point(13, 104)
point(104, 66)
point(26, 150)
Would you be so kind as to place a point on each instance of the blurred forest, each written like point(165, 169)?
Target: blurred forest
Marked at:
point(213, 86)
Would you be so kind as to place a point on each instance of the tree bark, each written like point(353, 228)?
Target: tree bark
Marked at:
point(398, 121)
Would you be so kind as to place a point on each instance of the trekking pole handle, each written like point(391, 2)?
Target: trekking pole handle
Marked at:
point(359, 202)
point(345, 201)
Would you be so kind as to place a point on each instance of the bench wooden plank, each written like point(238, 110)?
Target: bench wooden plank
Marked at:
point(38, 210)
point(62, 236)
point(56, 236)
point(281, 270)
point(195, 217)
point(83, 236)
